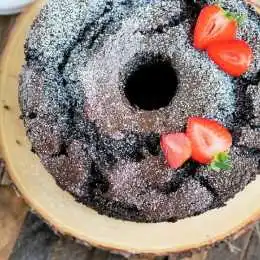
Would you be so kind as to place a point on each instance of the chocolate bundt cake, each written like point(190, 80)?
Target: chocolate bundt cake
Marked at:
point(104, 79)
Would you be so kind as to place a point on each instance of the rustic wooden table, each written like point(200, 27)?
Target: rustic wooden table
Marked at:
point(23, 236)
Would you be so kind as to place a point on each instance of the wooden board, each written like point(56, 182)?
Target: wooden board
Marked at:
point(6, 23)
point(12, 214)
point(37, 239)
point(65, 215)
point(38, 242)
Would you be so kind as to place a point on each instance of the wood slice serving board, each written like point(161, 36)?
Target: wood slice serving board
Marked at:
point(59, 209)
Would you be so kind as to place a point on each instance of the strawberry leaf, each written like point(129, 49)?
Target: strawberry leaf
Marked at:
point(221, 161)
point(240, 18)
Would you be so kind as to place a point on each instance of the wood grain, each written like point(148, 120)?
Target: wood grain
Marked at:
point(2, 169)
point(6, 23)
point(12, 214)
point(38, 242)
point(252, 252)
point(12, 208)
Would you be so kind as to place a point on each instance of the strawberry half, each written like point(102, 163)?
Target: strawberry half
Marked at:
point(176, 148)
point(208, 140)
point(233, 56)
point(214, 24)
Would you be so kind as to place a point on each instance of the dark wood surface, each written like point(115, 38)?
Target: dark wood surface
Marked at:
point(38, 242)
point(23, 236)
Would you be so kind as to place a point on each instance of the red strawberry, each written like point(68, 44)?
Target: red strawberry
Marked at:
point(214, 24)
point(176, 148)
point(208, 139)
point(233, 56)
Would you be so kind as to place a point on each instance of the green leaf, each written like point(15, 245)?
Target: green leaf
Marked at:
point(221, 161)
point(240, 18)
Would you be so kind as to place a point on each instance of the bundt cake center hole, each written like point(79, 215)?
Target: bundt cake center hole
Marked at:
point(152, 85)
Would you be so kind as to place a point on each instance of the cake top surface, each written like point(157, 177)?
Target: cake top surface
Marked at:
point(104, 80)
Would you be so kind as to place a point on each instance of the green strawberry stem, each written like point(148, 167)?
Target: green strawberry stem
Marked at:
point(240, 18)
point(221, 161)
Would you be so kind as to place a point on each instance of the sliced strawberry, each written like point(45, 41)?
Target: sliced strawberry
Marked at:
point(214, 24)
point(176, 148)
point(233, 57)
point(208, 138)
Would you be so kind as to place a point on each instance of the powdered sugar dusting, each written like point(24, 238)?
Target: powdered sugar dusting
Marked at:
point(104, 76)
point(139, 185)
